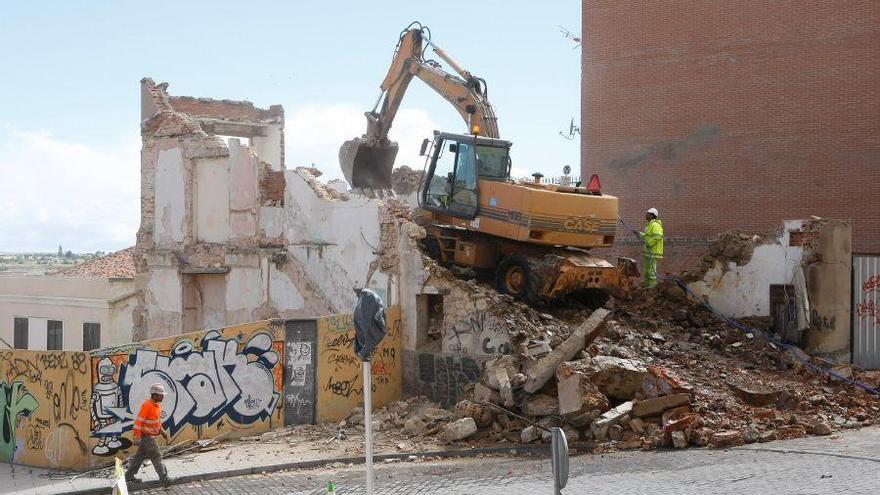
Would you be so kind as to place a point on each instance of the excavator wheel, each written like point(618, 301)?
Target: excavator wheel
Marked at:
point(516, 276)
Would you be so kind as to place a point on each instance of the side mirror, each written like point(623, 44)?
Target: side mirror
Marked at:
point(453, 148)
point(424, 147)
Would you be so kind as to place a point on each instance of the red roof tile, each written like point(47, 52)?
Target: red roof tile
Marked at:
point(114, 265)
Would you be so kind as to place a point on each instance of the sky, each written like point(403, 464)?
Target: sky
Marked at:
point(70, 108)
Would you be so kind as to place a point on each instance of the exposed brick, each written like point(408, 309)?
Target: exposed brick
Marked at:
point(733, 115)
point(272, 184)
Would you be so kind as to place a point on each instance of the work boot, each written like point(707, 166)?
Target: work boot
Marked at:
point(167, 481)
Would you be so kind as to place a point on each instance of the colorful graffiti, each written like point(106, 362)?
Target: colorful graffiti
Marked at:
point(15, 402)
point(204, 383)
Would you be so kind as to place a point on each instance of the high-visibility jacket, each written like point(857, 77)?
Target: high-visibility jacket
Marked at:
point(653, 237)
point(149, 420)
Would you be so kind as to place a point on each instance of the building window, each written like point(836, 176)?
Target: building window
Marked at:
point(20, 340)
point(91, 336)
point(53, 335)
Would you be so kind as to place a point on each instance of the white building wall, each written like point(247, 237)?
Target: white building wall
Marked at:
point(73, 301)
point(168, 225)
point(212, 200)
point(739, 291)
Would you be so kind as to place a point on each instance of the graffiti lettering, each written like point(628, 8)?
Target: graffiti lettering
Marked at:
point(15, 402)
point(479, 333)
point(345, 388)
point(341, 341)
point(202, 385)
point(24, 369)
point(340, 323)
point(868, 310)
point(297, 401)
point(341, 361)
point(871, 284)
point(822, 322)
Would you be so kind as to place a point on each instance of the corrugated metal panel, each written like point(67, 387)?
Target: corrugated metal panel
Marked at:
point(866, 311)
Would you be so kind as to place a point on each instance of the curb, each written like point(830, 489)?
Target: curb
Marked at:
point(443, 454)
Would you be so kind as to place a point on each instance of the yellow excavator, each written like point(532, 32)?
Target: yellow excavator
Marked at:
point(535, 237)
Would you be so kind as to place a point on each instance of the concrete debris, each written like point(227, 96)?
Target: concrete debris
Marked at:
point(481, 414)
point(755, 393)
point(540, 405)
point(657, 405)
point(617, 378)
point(679, 440)
point(405, 181)
point(529, 434)
point(724, 439)
point(577, 394)
point(583, 336)
point(459, 430)
point(599, 428)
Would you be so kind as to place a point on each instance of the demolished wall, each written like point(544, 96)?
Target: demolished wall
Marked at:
point(739, 270)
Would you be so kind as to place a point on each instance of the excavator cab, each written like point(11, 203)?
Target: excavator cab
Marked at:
point(457, 163)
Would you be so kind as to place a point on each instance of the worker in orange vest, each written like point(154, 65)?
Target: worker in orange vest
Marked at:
point(147, 426)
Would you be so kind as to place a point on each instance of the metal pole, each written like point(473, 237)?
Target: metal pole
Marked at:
point(368, 425)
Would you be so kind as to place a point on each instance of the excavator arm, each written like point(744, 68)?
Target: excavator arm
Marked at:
point(367, 161)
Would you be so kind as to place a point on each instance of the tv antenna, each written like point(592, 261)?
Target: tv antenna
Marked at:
point(572, 130)
point(572, 36)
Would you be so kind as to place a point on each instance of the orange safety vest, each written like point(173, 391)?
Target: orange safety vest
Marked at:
point(148, 421)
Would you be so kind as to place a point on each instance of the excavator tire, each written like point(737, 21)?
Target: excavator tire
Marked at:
point(519, 277)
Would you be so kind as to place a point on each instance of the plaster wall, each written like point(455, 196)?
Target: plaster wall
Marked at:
point(739, 291)
point(212, 200)
point(169, 198)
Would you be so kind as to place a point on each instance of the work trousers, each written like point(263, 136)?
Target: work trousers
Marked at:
point(148, 448)
point(650, 268)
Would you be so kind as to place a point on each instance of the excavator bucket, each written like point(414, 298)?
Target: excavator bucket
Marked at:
point(367, 165)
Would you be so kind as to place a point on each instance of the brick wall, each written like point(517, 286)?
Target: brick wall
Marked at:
point(734, 115)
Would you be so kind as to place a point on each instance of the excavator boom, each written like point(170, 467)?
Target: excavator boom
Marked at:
point(367, 161)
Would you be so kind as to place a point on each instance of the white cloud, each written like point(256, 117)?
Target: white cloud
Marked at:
point(59, 192)
point(314, 133)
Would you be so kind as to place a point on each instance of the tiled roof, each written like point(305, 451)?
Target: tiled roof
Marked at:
point(114, 265)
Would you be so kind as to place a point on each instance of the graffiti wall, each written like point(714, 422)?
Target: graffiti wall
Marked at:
point(340, 380)
point(76, 410)
point(226, 380)
point(44, 408)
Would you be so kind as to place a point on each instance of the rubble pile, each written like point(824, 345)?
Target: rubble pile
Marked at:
point(657, 371)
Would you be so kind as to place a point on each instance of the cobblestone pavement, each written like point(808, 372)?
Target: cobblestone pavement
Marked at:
point(809, 466)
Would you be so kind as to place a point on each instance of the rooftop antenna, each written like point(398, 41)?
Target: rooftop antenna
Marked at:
point(572, 130)
point(574, 37)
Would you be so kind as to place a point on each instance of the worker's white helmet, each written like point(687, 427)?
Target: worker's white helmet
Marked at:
point(157, 389)
point(653, 211)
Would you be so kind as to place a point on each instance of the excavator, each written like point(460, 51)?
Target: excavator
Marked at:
point(533, 237)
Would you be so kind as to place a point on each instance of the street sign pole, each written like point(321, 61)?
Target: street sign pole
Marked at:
point(368, 425)
point(559, 447)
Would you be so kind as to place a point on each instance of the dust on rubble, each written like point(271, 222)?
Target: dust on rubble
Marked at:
point(729, 247)
point(405, 180)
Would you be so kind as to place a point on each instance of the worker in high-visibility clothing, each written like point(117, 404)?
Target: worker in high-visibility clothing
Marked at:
point(652, 237)
point(148, 426)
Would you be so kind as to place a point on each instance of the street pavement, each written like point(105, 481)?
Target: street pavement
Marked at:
point(846, 464)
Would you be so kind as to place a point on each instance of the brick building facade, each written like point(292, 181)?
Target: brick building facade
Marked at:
point(734, 115)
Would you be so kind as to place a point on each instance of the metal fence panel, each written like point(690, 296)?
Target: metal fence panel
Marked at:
point(866, 311)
